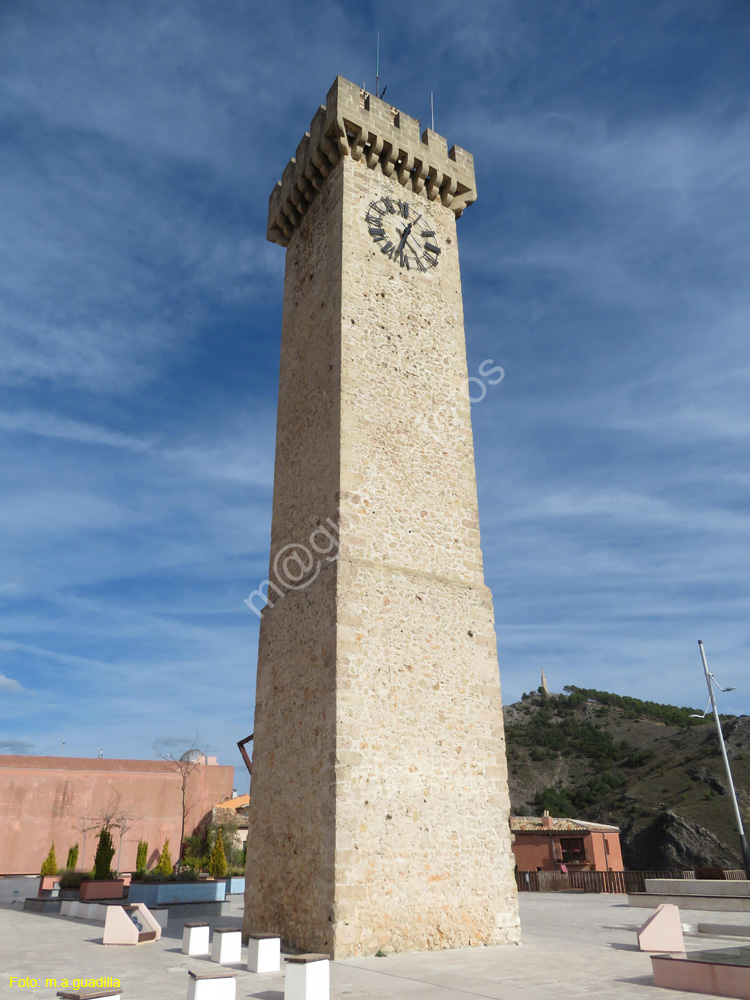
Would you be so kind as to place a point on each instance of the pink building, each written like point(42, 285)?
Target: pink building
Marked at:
point(46, 799)
point(547, 844)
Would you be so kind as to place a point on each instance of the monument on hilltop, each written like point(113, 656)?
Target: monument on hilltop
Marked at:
point(379, 801)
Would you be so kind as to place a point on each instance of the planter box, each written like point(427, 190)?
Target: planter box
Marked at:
point(106, 888)
point(47, 883)
point(163, 893)
point(235, 883)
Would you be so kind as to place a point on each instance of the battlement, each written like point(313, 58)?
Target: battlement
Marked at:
point(357, 124)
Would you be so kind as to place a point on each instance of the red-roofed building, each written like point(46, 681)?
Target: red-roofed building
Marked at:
point(547, 844)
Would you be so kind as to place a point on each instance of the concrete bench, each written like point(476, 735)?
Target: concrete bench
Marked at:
point(226, 945)
point(130, 925)
point(114, 994)
point(211, 985)
point(263, 953)
point(307, 977)
point(722, 973)
point(195, 938)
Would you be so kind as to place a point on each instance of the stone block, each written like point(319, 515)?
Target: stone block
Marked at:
point(215, 985)
point(662, 931)
point(196, 939)
point(226, 945)
point(307, 977)
point(263, 953)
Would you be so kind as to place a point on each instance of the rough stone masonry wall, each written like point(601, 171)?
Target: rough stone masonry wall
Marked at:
point(289, 887)
point(379, 814)
point(423, 856)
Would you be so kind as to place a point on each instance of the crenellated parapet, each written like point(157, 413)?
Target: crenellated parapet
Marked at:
point(357, 124)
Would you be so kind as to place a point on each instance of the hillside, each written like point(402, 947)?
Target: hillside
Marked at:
point(648, 768)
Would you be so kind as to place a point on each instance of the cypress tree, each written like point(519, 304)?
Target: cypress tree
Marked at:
point(105, 851)
point(217, 866)
point(49, 866)
point(165, 861)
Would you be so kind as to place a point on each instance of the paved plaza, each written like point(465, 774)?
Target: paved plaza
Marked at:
point(573, 946)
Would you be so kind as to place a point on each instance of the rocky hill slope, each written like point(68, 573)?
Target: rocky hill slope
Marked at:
point(648, 768)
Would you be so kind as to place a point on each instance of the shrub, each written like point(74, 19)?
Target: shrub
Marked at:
point(72, 857)
point(105, 851)
point(49, 865)
point(217, 866)
point(72, 880)
point(164, 868)
point(141, 857)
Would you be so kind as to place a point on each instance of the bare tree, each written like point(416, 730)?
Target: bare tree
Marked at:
point(85, 826)
point(115, 815)
point(189, 761)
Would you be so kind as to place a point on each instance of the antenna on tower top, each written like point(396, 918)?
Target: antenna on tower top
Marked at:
point(432, 111)
point(377, 67)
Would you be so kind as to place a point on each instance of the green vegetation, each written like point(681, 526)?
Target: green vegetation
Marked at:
point(72, 857)
point(105, 851)
point(217, 866)
point(634, 708)
point(141, 856)
point(555, 729)
point(49, 865)
point(72, 880)
point(164, 868)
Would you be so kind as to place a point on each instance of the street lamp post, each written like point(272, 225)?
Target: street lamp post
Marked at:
point(710, 681)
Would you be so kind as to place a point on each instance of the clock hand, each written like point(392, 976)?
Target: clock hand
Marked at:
point(404, 237)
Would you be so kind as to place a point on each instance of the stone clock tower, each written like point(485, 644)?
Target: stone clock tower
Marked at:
point(379, 799)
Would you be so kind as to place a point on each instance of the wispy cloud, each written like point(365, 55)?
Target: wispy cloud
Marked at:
point(604, 267)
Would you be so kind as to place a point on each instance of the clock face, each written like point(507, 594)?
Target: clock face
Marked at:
point(403, 234)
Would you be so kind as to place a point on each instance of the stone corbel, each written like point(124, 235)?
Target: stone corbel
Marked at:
point(358, 143)
point(297, 199)
point(291, 213)
point(321, 161)
point(448, 190)
point(388, 159)
point(333, 150)
point(419, 176)
point(342, 139)
point(374, 150)
point(313, 175)
point(404, 167)
point(434, 183)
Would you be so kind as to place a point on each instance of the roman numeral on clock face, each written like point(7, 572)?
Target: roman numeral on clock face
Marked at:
point(388, 248)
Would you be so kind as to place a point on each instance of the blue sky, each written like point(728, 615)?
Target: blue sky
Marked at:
point(605, 267)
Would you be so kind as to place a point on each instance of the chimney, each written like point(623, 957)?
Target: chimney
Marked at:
point(546, 820)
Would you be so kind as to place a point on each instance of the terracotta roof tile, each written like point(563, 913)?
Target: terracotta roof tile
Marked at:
point(533, 824)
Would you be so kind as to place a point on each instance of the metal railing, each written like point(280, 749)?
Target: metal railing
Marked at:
point(622, 882)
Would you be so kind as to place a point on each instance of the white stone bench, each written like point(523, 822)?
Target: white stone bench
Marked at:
point(307, 977)
point(195, 939)
point(226, 945)
point(263, 953)
point(69, 907)
point(113, 994)
point(211, 985)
